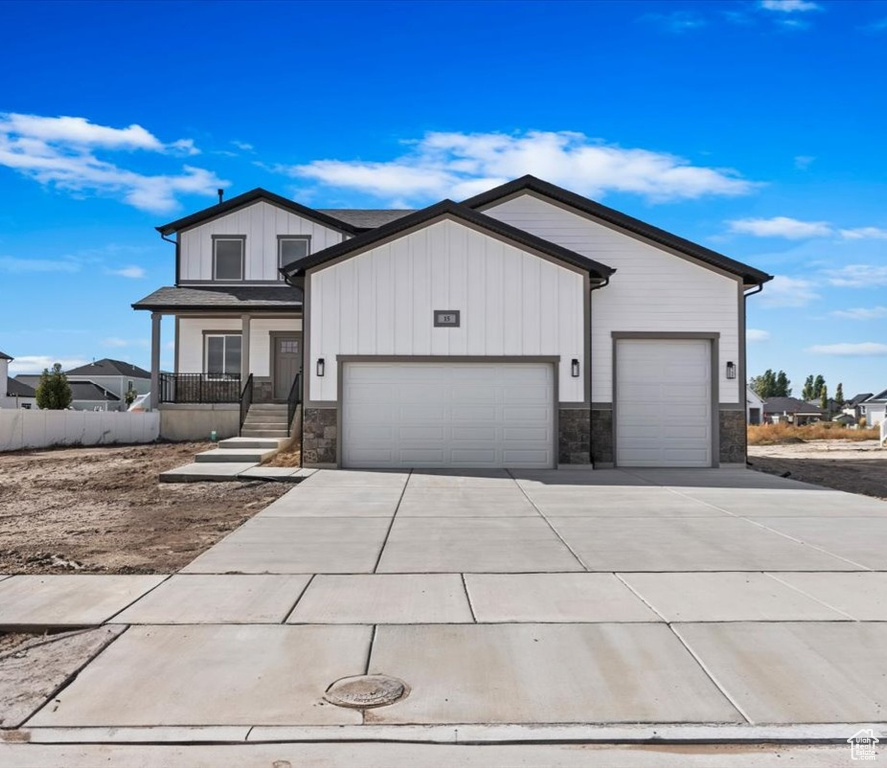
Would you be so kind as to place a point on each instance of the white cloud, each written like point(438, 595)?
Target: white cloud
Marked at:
point(784, 291)
point(119, 343)
point(460, 165)
point(18, 266)
point(133, 272)
point(756, 334)
point(861, 313)
point(862, 349)
point(789, 6)
point(803, 162)
point(36, 363)
point(676, 21)
point(864, 233)
point(781, 226)
point(243, 145)
point(61, 152)
point(858, 276)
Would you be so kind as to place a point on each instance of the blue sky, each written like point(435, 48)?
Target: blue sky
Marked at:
point(755, 128)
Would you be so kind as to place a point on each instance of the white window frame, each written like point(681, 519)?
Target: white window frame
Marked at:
point(280, 240)
point(231, 238)
point(207, 335)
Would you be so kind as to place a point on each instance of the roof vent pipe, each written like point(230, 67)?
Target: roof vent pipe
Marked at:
point(221, 195)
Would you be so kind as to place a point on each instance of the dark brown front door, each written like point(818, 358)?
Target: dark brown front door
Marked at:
point(287, 363)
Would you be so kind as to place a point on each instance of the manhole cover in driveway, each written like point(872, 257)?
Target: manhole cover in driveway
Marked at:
point(365, 691)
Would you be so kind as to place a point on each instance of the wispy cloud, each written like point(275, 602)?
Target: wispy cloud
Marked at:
point(676, 21)
point(118, 343)
point(784, 291)
point(133, 272)
point(858, 276)
point(789, 6)
point(861, 313)
point(246, 147)
point(756, 335)
point(861, 349)
point(62, 152)
point(459, 165)
point(15, 265)
point(877, 26)
point(36, 363)
point(803, 162)
point(864, 233)
point(781, 226)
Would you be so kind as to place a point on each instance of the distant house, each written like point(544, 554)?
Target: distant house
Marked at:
point(874, 408)
point(754, 407)
point(114, 376)
point(89, 396)
point(791, 410)
point(13, 394)
point(853, 406)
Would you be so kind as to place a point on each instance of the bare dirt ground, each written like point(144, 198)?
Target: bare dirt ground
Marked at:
point(853, 467)
point(102, 510)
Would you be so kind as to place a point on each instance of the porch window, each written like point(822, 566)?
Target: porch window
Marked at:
point(228, 257)
point(222, 354)
point(291, 248)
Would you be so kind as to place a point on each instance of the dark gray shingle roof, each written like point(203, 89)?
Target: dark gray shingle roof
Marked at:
point(89, 390)
point(880, 397)
point(790, 405)
point(4, 356)
point(108, 367)
point(856, 399)
point(266, 297)
point(16, 388)
point(366, 218)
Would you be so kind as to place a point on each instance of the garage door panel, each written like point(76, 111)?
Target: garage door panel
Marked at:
point(663, 403)
point(455, 414)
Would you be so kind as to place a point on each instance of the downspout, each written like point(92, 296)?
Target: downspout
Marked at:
point(592, 289)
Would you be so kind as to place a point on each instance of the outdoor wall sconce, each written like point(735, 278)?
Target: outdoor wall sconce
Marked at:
point(731, 370)
point(574, 368)
point(321, 365)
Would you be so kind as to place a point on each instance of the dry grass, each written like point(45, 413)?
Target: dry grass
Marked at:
point(776, 434)
point(290, 458)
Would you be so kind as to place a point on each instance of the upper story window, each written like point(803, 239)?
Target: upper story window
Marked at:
point(228, 257)
point(291, 248)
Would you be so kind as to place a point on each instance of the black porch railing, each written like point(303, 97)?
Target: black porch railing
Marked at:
point(246, 399)
point(200, 388)
point(292, 402)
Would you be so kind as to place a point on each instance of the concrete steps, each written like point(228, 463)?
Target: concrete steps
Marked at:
point(265, 420)
point(249, 441)
point(235, 455)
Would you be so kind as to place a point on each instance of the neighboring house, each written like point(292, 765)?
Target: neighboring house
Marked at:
point(790, 410)
point(526, 327)
point(114, 376)
point(853, 407)
point(89, 396)
point(13, 393)
point(874, 408)
point(754, 407)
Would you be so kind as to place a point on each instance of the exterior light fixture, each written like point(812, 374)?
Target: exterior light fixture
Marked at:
point(321, 365)
point(731, 370)
point(574, 368)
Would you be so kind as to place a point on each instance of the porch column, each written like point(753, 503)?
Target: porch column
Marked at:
point(155, 359)
point(244, 349)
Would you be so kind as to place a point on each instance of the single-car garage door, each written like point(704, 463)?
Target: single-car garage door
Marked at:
point(663, 403)
point(398, 414)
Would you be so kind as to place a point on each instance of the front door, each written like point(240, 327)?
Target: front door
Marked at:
point(287, 363)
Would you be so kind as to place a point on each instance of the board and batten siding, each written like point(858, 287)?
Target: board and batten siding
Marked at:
point(652, 290)
point(191, 331)
point(261, 223)
point(381, 302)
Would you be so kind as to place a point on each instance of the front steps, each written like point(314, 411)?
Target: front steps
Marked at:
point(265, 420)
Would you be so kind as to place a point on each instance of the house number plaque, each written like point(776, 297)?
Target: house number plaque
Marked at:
point(446, 318)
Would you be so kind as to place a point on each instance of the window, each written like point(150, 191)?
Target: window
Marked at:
point(291, 248)
point(228, 257)
point(222, 354)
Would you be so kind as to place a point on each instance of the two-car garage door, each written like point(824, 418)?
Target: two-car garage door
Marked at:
point(448, 414)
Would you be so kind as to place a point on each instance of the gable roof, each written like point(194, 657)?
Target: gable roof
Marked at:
point(622, 221)
point(248, 198)
point(16, 388)
point(4, 356)
point(455, 210)
point(89, 390)
point(857, 399)
point(879, 398)
point(790, 405)
point(253, 297)
point(108, 367)
point(367, 218)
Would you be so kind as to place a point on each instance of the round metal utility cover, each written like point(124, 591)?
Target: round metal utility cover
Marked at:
point(365, 691)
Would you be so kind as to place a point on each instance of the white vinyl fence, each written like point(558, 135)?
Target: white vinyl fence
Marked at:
point(23, 428)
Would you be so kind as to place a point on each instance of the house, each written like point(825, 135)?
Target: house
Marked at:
point(113, 376)
point(85, 395)
point(754, 407)
point(873, 408)
point(790, 410)
point(853, 407)
point(525, 327)
point(14, 394)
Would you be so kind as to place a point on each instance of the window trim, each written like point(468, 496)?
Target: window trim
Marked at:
point(242, 240)
point(212, 334)
point(280, 240)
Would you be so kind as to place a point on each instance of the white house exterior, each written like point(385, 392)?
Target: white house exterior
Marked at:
point(525, 327)
point(874, 409)
point(13, 393)
point(754, 407)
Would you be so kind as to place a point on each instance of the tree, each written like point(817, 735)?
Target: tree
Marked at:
point(818, 385)
point(130, 396)
point(823, 399)
point(839, 395)
point(770, 384)
point(782, 385)
point(53, 391)
point(807, 392)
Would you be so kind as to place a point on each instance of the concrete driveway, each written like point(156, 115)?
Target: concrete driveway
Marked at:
point(609, 605)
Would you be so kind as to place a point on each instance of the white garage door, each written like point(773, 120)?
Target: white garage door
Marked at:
point(663, 403)
point(448, 415)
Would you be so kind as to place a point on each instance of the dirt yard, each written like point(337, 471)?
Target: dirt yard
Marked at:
point(101, 510)
point(855, 467)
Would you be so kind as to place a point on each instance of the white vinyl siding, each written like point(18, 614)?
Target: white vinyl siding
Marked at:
point(290, 249)
point(190, 352)
point(652, 290)
point(448, 414)
point(512, 303)
point(663, 403)
point(260, 223)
